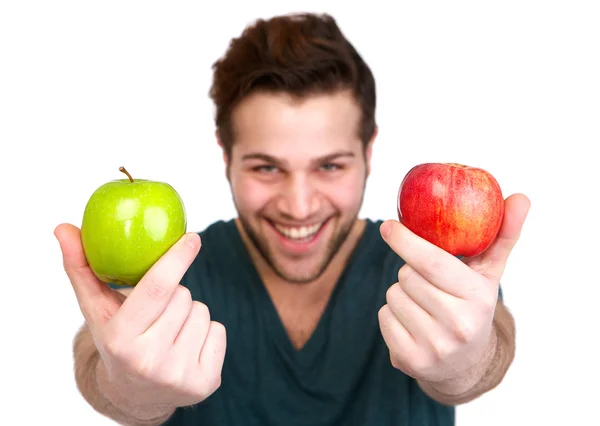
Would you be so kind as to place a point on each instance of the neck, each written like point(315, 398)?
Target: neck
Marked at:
point(301, 306)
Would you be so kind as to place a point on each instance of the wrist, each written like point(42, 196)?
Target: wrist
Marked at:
point(488, 372)
point(122, 401)
point(465, 381)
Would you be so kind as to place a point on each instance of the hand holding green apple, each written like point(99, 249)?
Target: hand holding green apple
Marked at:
point(159, 348)
point(127, 225)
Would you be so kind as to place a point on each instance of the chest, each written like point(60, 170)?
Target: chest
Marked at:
point(319, 361)
point(338, 378)
point(300, 320)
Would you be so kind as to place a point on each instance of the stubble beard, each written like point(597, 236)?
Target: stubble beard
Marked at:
point(332, 248)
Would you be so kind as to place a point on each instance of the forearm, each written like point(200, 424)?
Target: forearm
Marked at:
point(98, 392)
point(488, 373)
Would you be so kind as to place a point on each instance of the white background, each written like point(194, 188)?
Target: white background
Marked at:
point(511, 86)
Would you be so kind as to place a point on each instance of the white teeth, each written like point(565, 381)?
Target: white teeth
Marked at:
point(301, 233)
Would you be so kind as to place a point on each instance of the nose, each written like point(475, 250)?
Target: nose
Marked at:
point(299, 199)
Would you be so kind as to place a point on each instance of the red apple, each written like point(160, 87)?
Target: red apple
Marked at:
point(456, 207)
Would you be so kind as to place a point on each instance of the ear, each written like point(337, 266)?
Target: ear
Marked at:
point(369, 150)
point(224, 152)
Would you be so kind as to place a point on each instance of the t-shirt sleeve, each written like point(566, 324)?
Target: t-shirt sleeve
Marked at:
point(118, 287)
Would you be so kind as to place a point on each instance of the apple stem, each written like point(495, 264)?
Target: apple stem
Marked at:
point(122, 169)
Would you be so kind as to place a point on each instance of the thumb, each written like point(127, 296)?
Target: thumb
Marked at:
point(92, 294)
point(494, 259)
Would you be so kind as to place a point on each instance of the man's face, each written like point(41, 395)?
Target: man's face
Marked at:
point(297, 173)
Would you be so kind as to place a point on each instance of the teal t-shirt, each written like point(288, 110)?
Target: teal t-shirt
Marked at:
point(341, 377)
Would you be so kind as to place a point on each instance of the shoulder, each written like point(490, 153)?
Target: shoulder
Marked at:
point(218, 244)
point(217, 230)
point(378, 248)
point(219, 259)
point(376, 253)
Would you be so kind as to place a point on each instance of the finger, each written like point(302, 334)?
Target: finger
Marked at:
point(96, 301)
point(446, 310)
point(429, 297)
point(437, 303)
point(437, 266)
point(418, 322)
point(399, 341)
point(212, 356)
point(169, 323)
point(152, 294)
point(493, 261)
point(193, 333)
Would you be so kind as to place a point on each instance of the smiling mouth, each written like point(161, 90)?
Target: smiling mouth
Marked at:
point(300, 234)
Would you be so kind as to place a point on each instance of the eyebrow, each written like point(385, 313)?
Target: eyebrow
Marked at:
point(276, 161)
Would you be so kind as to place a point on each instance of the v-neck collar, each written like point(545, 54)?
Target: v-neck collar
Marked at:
point(276, 328)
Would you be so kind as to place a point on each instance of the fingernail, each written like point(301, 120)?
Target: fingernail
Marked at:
point(192, 239)
point(385, 229)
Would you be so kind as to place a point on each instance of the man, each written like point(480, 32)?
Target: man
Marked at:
point(297, 312)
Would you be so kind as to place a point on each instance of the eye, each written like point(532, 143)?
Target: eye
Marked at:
point(330, 167)
point(265, 168)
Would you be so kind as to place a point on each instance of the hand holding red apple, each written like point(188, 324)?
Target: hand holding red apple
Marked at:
point(437, 322)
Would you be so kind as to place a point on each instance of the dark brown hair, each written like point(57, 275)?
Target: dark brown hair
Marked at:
point(299, 54)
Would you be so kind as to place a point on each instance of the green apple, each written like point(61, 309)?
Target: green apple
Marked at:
point(128, 225)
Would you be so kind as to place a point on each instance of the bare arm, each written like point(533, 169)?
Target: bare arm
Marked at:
point(486, 375)
point(96, 390)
